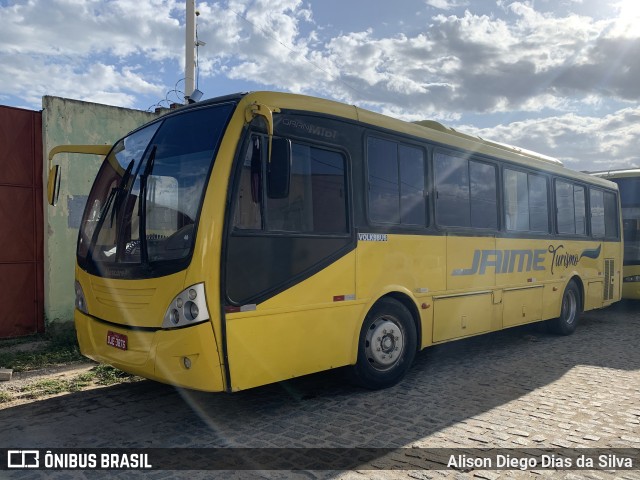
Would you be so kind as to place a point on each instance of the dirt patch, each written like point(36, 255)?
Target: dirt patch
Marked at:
point(30, 386)
point(26, 347)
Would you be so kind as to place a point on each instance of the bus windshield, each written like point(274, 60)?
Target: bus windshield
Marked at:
point(630, 200)
point(144, 204)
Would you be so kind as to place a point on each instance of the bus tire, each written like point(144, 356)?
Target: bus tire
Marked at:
point(567, 322)
point(387, 345)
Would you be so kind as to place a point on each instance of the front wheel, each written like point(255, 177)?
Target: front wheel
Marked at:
point(387, 345)
point(567, 322)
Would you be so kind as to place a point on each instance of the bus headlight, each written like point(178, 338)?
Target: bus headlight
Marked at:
point(632, 278)
point(189, 307)
point(81, 301)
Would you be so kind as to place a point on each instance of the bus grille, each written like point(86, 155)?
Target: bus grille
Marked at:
point(608, 278)
point(129, 298)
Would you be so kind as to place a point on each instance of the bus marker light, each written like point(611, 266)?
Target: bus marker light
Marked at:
point(342, 298)
point(425, 306)
point(244, 308)
point(186, 362)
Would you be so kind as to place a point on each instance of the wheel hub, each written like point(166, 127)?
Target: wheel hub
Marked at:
point(385, 342)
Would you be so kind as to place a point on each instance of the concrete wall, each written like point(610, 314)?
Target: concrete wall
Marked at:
point(65, 122)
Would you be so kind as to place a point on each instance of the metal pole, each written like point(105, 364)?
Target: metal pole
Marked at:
point(189, 49)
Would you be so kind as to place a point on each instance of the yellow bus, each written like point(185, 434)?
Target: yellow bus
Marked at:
point(629, 186)
point(258, 237)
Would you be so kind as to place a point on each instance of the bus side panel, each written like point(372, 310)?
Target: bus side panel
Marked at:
point(468, 307)
point(522, 305)
point(612, 272)
point(414, 262)
point(594, 294)
point(471, 263)
point(524, 267)
point(462, 316)
point(308, 328)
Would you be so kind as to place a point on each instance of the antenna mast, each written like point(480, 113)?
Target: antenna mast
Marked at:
point(190, 46)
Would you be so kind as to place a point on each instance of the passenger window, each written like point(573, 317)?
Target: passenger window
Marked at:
point(525, 199)
point(396, 183)
point(466, 192)
point(611, 216)
point(452, 187)
point(571, 208)
point(596, 198)
point(604, 214)
point(484, 195)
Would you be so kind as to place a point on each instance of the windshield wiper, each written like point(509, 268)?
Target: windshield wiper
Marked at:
point(142, 205)
point(116, 193)
point(120, 190)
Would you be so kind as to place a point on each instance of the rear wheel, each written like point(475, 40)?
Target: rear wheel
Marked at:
point(387, 345)
point(567, 322)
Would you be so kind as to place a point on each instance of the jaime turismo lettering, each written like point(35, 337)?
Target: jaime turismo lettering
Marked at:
point(524, 260)
point(504, 261)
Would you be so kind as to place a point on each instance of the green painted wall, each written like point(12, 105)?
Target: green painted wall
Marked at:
point(66, 122)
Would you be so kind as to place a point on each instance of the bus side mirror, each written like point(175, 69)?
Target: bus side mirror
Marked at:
point(53, 185)
point(279, 168)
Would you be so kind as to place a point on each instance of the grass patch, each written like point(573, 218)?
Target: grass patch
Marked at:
point(100, 375)
point(108, 375)
point(41, 388)
point(47, 356)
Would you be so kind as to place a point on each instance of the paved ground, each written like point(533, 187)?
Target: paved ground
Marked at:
point(517, 388)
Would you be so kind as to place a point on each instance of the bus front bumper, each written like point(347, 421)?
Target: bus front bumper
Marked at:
point(185, 357)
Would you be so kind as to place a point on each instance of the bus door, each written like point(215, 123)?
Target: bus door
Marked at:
point(289, 265)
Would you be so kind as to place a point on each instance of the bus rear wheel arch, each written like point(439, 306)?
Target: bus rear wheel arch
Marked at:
point(387, 345)
point(570, 309)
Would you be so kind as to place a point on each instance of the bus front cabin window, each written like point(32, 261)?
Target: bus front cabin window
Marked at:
point(306, 189)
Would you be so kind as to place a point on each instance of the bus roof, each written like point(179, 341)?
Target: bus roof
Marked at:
point(621, 173)
point(426, 129)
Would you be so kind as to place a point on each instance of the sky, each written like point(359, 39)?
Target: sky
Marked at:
point(560, 77)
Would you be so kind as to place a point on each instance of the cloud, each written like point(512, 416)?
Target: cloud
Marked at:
point(84, 49)
point(511, 58)
point(73, 28)
point(517, 58)
point(446, 4)
point(91, 81)
point(580, 142)
point(527, 60)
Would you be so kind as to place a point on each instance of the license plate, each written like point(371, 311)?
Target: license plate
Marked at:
point(117, 340)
